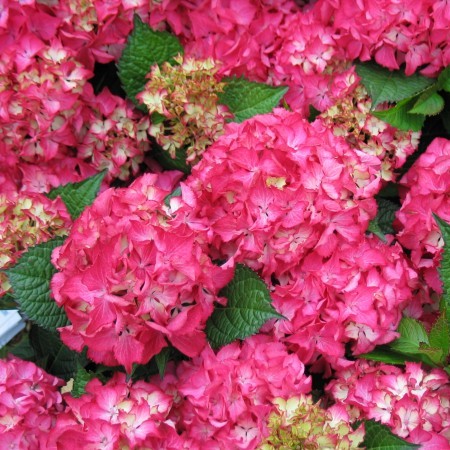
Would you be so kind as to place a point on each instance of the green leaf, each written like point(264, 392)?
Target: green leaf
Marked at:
point(161, 359)
point(248, 308)
point(382, 223)
point(60, 360)
point(30, 280)
point(77, 196)
point(246, 99)
point(385, 354)
point(313, 113)
point(22, 349)
point(175, 193)
point(8, 302)
point(169, 163)
point(439, 336)
point(428, 103)
point(444, 80)
point(144, 49)
point(384, 85)
point(444, 268)
point(374, 228)
point(379, 437)
point(80, 380)
point(430, 355)
point(400, 117)
point(412, 334)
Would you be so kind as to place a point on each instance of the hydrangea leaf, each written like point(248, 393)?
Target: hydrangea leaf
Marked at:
point(76, 196)
point(412, 334)
point(248, 308)
point(169, 163)
point(444, 268)
point(8, 302)
point(384, 85)
point(444, 79)
point(429, 103)
point(379, 437)
point(435, 355)
point(145, 48)
point(80, 380)
point(30, 281)
point(385, 354)
point(440, 335)
point(246, 99)
point(382, 223)
point(60, 360)
point(161, 359)
point(400, 117)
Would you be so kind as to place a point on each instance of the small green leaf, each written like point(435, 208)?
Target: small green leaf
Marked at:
point(144, 49)
point(246, 99)
point(430, 355)
point(77, 196)
point(444, 79)
point(175, 193)
point(313, 113)
point(400, 117)
point(380, 437)
point(248, 308)
point(412, 334)
point(8, 302)
point(385, 354)
point(169, 163)
point(80, 380)
point(384, 85)
point(162, 358)
point(440, 335)
point(30, 280)
point(53, 356)
point(382, 223)
point(374, 228)
point(428, 104)
point(444, 268)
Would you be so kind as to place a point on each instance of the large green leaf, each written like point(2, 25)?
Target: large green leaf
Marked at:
point(444, 79)
point(53, 356)
point(379, 437)
point(400, 116)
point(246, 99)
point(440, 335)
point(30, 281)
point(384, 85)
point(385, 354)
point(429, 103)
point(412, 334)
point(248, 308)
point(145, 48)
point(77, 196)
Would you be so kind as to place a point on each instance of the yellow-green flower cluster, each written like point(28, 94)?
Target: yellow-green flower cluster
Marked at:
point(27, 220)
point(186, 96)
point(300, 424)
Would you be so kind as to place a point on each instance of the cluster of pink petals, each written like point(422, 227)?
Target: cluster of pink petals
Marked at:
point(54, 129)
point(424, 191)
point(29, 402)
point(414, 403)
point(292, 200)
point(130, 281)
point(26, 220)
point(223, 400)
point(354, 296)
point(118, 414)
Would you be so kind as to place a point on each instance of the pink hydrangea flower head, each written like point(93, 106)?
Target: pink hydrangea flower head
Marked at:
point(270, 190)
point(130, 281)
point(226, 398)
point(298, 422)
point(27, 220)
point(117, 414)
point(385, 147)
point(425, 191)
point(29, 403)
point(186, 95)
point(113, 135)
point(412, 402)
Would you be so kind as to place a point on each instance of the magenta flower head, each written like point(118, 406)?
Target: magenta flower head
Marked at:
point(131, 281)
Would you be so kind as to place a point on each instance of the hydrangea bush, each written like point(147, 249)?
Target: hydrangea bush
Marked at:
point(226, 224)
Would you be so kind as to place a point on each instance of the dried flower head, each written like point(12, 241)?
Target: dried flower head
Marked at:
point(186, 96)
point(299, 423)
point(27, 220)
